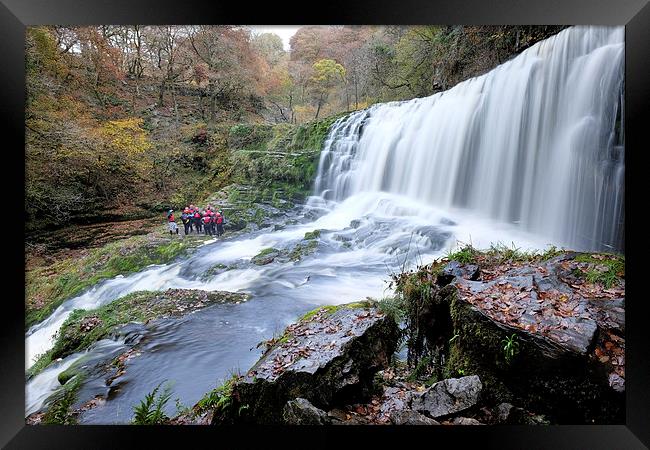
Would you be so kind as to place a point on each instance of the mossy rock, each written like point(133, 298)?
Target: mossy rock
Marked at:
point(330, 358)
point(312, 234)
point(83, 328)
point(266, 256)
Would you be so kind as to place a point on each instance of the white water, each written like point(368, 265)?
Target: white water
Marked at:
point(525, 155)
point(531, 142)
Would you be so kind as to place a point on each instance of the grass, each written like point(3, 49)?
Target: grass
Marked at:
point(510, 348)
point(605, 270)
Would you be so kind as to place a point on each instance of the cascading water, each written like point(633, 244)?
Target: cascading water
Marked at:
point(535, 142)
point(529, 153)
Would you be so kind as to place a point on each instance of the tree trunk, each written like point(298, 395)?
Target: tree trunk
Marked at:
point(320, 102)
point(161, 94)
point(175, 104)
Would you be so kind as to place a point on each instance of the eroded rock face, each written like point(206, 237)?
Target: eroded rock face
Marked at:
point(302, 412)
point(465, 421)
point(448, 396)
point(542, 326)
point(454, 269)
point(326, 359)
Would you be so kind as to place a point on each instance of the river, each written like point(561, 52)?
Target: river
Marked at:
point(527, 155)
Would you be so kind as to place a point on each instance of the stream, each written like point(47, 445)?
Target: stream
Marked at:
point(398, 185)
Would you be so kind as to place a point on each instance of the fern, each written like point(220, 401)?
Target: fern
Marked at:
point(150, 411)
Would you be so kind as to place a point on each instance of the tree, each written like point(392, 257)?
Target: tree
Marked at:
point(327, 75)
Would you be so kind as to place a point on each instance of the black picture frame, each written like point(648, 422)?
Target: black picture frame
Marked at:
point(15, 15)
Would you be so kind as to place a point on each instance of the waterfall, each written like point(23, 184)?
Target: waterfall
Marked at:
point(536, 142)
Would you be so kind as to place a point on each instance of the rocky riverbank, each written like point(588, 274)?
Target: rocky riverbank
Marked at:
point(492, 337)
point(125, 316)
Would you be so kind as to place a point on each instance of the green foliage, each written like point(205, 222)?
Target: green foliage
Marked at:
point(220, 399)
point(267, 251)
point(150, 411)
point(510, 348)
point(420, 369)
point(59, 409)
point(393, 307)
point(466, 255)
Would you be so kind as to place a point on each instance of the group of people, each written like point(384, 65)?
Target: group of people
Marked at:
point(208, 221)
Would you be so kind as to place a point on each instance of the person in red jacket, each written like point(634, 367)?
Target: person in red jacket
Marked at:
point(197, 220)
point(207, 223)
point(219, 221)
point(171, 222)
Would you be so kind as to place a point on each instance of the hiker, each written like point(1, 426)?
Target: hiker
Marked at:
point(213, 223)
point(173, 228)
point(219, 219)
point(207, 223)
point(197, 220)
point(186, 218)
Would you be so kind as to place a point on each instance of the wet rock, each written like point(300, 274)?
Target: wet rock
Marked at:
point(455, 269)
point(410, 417)
point(565, 337)
point(395, 399)
point(302, 412)
point(327, 358)
point(617, 382)
point(448, 396)
point(341, 417)
point(445, 221)
point(465, 421)
point(265, 257)
point(507, 414)
point(502, 412)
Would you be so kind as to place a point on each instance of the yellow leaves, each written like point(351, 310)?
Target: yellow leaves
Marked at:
point(327, 71)
point(126, 135)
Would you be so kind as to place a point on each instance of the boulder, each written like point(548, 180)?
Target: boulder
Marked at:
point(507, 414)
point(454, 269)
point(328, 358)
point(465, 421)
point(448, 396)
point(410, 417)
point(302, 412)
point(535, 327)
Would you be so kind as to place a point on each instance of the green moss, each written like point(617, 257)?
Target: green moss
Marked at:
point(267, 251)
point(68, 278)
point(302, 249)
point(331, 309)
point(140, 306)
point(312, 234)
point(59, 411)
